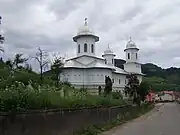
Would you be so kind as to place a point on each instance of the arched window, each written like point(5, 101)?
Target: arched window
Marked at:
point(128, 55)
point(92, 48)
point(85, 47)
point(78, 48)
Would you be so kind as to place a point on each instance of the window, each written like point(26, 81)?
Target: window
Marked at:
point(128, 55)
point(105, 61)
point(136, 56)
point(78, 48)
point(112, 61)
point(113, 80)
point(85, 47)
point(92, 48)
point(119, 81)
point(125, 81)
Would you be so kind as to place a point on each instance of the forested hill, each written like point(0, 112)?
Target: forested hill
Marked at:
point(167, 78)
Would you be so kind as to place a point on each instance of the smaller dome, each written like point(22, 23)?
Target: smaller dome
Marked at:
point(108, 51)
point(130, 44)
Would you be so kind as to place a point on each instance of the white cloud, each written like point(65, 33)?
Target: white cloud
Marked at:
point(154, 26)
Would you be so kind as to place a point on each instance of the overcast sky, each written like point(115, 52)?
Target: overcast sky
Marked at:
point(154, 26)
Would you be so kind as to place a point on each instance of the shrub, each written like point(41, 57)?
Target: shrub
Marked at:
point(18, 97)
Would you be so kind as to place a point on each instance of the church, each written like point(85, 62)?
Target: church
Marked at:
point(86, 70)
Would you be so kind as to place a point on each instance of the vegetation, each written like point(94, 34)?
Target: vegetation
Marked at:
point(18, 98)
point(22, 90)
point(159, 78)
point(108, 85)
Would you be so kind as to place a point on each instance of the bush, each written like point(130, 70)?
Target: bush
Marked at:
point(20, 98)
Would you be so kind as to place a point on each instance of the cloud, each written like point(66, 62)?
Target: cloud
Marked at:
point(154, 26)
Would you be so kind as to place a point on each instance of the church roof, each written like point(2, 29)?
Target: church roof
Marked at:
point(85, 55)
point(71, 64)
point(120, 71)
point(131, 45)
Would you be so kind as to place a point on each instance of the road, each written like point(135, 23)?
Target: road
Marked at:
point(164, 119)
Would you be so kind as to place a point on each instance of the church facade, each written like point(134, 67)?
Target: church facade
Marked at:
point(86, 70)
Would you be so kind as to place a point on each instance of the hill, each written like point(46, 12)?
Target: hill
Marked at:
point(158, 77)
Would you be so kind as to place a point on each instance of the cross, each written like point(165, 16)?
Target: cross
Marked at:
point(130, 38)
point(85, 21)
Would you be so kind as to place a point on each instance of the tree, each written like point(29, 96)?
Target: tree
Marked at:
point(143, 90)
point(108, 85)
point(9, 63)
point(56, 67)
point(132, 87)
point(19, 60)
point(41, 57)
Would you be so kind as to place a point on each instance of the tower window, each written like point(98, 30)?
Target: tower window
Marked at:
point(112, 61)
point(78, 48)
point(85, 47)
point(119, 81)
point(92, 48)
point(113, 80)
point(105, 61)
point(128, 55)
point(136, 56)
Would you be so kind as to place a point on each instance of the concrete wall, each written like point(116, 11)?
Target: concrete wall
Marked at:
point(57, 122)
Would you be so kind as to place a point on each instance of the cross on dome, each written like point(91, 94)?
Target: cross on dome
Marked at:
point(130, 43)
point(85, 21)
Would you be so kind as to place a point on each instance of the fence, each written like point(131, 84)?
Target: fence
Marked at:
point(57, 122)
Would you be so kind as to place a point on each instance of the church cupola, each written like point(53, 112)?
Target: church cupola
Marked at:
point(109, 56)
point(131, 51)
point(132, 65)
point(85, 40)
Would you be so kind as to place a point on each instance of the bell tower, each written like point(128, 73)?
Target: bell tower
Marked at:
point(132, 64)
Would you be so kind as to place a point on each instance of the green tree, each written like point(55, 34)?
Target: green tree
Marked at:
point(143, 90)
point(19, 60)
point(56, 67)
point(108, 85)
point(9, 63)
point(132, 88)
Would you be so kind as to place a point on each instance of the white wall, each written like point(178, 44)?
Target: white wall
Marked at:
point(132, 67)
point(88, 40)
point(109, 58)
point(86, 76)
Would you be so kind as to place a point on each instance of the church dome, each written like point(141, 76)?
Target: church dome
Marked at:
point(85, 31)
point(130, 44)
point(108, 51)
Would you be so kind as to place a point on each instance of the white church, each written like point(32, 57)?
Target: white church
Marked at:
point(86, 70)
